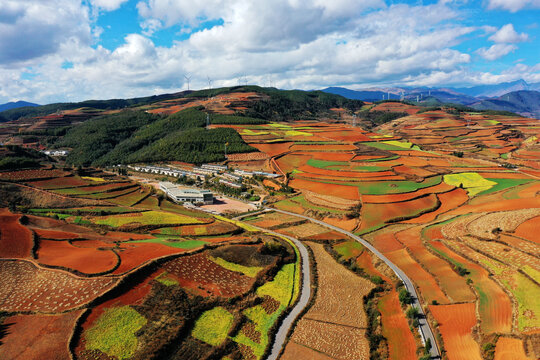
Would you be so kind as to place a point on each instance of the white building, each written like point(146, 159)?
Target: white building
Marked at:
point(193, 196)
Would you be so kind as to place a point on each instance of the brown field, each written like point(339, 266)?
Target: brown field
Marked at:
point(455, 324)
point(204, 277)
point(45, 336)
point(27, 288)
point(510, 349)
point(334, 325)
point(15, 239)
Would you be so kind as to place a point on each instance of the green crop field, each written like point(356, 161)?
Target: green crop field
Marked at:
point(213, 326)
point(179, 244)
point(114, 332)
point(145, 218)
point(250, 271)
point(349, 249)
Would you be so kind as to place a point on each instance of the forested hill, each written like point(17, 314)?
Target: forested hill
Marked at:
point(171, 126)
point(136, 136)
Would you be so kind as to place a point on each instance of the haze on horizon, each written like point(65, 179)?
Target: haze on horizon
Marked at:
point(72, 50)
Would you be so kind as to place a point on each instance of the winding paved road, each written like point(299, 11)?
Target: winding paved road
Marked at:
point(425, 330)
point(305, 294)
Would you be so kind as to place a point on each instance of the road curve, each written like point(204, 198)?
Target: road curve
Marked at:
point(425, 330)
point(305, 294)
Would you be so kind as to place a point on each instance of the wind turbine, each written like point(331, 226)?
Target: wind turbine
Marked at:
point(209, 82)
point(188, 78)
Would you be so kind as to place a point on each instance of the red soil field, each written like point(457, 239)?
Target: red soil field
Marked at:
point(529, 230)
point(385, 241)
point(502, 205)
point(84, 259)
point(332, 174)
point(415, 171)
point(328, 156)
point(133, 255)
point(351, 136)
point(321, 148)
point(394, 198)
point(331, 235)
point(454, 285)
point(455, 324)
point(344, 223)
point(510, 349)
point(421, 278)
point(376, 214)
point(25, 287)
point(15, 239)
point(396, 107)
point(496, 312)
point(273, 149)
point(271, 184)
point(55, 234)
point(59, 183)
point(38, 336)
point(449, 200)
point(203, 276)
point(395, 329)
point(21, 175)
point(215, 228)
point(290, 162)
point(343, 191)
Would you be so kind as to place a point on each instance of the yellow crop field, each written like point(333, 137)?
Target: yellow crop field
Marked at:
point(473, 182)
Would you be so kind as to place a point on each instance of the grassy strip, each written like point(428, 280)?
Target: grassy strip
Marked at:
point(114, 332)
point(213, 326)
point(250, 271)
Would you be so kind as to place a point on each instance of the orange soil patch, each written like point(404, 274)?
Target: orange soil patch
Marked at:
point(274, 148)
point(395, 329)
point(386, 241)
point(290, 162)
point(58, 183)
point(85, 260)
point(529, 230)
point(496, 310)
point(422, 279)
point(393, 198)
point(454, 285)
point(15, 239)
point(295, 351)
point(327, 236)
point(342, 173)
point(38, 336)
point(502, 205)
point(271, 184)
point(55, 234)
point(396, 107)
point(133, 255)
point(252, 156)
point(449, 200)
point(402, 169)
point(510, 349)
point(342, 191)
point(377, 214)
point(327, 147)
point(346, 224)
point(351, 136)
point(328, 156)
point(455, 324)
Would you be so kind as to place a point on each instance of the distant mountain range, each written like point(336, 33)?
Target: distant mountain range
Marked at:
point(15, 105)
point(517, 96)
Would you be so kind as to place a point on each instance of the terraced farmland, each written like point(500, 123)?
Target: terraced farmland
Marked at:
point(451, 199)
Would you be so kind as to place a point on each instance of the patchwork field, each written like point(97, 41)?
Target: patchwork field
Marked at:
point(452, 199)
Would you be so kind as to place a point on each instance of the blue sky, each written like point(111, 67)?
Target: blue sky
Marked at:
point(72, 50)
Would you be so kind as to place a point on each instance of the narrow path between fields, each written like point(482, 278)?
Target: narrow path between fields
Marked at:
point(425, 330)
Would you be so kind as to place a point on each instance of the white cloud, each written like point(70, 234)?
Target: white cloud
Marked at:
point(37, 28)
point(496, 51)
point(107, 5)
point(284, 43)
point(513, 5)
point(507, 34)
